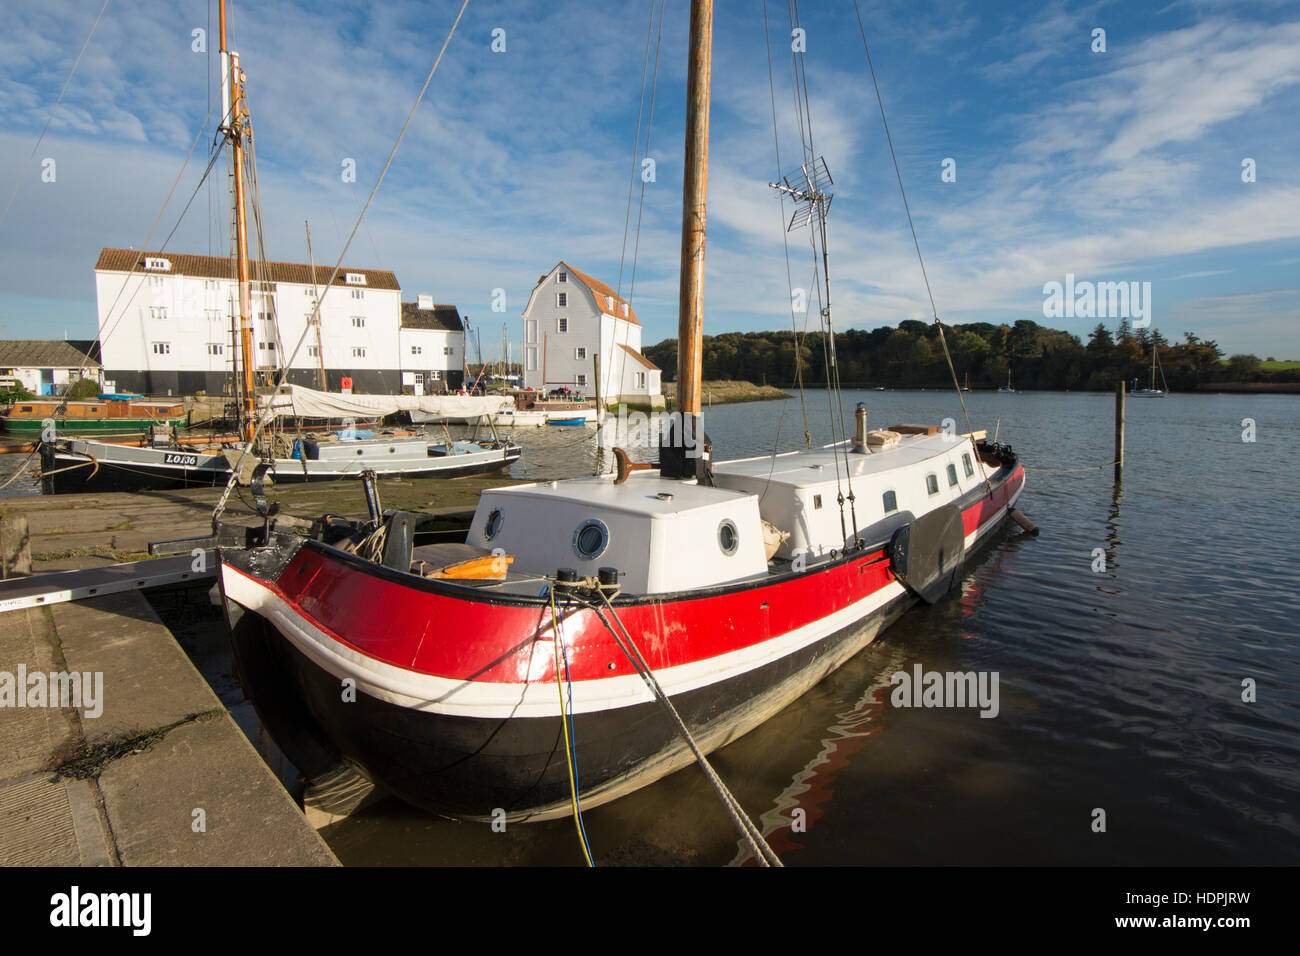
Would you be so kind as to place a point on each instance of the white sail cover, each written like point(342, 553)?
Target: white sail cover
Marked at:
point(295, 401)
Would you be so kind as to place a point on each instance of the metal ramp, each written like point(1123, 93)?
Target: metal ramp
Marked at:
point(55, 587)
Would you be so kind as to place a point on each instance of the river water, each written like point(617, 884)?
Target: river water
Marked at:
point(1121, 689)
point(1121, 637)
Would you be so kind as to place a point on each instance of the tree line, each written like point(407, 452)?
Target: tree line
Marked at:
point(983, 354)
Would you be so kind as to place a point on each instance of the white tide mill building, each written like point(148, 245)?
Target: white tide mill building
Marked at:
point(570, 318)
point(166, 323)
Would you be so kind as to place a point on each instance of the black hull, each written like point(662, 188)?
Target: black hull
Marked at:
point(110, 477)
point(469, 768)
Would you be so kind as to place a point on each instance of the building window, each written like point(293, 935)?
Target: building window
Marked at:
point(416, 349)
point(161, 265)
point(358, 293)
point(561, 324)
point(932, 484)
point(530, 360)
point(952, 475)
point(155, 282)
point(313, 351)
point(965, 463)
point(530, 330)
point(448, 350)
point(210, 285)
point(313, 319)
point(580, 379)
point(157, 311)
point(358, 322)
point(435, 376)
point(267, 346)
point(562, 299)
point(640, 379)
point(214, 315)
point(162, 348)
point(215, 349)
point(562, 277)
point(358, 353)
point(354, 278)
point(891, 501)
point(580, 353)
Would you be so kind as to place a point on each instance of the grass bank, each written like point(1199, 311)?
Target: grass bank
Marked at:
point(724, 392)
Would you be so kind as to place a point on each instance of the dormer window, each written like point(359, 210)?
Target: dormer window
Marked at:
point(609, 301)
point(157, 265)
point(354, 278)
point(562, 277)
point(625, 310)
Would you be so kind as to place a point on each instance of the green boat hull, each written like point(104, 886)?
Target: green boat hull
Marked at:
point(84, 426)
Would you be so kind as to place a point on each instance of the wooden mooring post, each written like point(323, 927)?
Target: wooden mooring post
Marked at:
point(1119, 431)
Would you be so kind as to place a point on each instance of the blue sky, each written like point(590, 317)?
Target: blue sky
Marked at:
point(1122, 165)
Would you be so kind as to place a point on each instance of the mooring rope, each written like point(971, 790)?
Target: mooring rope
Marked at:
point(565, 721)
point(765, 855)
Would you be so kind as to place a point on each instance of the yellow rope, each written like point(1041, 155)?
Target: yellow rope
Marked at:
point(564, 722)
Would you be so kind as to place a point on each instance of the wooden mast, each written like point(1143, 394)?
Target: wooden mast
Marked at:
point(234, 125)
point(695, 182)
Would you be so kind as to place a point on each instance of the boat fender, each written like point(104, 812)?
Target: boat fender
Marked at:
point(927, 556)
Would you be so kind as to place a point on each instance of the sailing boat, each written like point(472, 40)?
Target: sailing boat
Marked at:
point(1151, 392)
point(76, 465)
point(572, 610)
point(1007, 388)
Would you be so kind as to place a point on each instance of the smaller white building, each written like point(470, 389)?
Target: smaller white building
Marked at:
point(431, 347)
point(570, 319)
point(48, 367)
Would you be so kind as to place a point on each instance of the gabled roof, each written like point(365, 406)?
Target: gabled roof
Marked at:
point(43, 353)
point(444, 318)
point(217, 267)
point(639, 357)
point(600, 292)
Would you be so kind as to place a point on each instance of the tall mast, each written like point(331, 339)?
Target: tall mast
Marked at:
point(695, 186)
point(235, 126)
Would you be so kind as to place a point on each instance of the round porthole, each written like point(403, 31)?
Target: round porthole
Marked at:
point(728, 537)
point(493, 526)
point(591, 539)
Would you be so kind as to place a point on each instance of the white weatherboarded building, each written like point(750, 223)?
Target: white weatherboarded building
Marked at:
point(570, 318)
point(432, 340)
point(166, 326)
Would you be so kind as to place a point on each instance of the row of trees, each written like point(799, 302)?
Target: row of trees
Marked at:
point(912, 355)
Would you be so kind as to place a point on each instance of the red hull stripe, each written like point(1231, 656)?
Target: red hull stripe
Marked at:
point(470, 640)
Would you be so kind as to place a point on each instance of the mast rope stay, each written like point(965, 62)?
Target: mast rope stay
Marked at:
point(764, 853)
point(898, 173)
point(338, 265)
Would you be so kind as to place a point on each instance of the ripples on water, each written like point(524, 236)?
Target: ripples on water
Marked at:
point(1119, 690)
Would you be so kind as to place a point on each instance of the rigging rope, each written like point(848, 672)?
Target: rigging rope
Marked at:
point(765, 855)
point(934, 309)
point(50, 116)
point(234, 472)
point(567, 725)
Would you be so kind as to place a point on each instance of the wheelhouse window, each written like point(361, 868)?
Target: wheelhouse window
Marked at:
point(932, 484)
point(965, 463)
point(952, 475)
point(890, 501)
